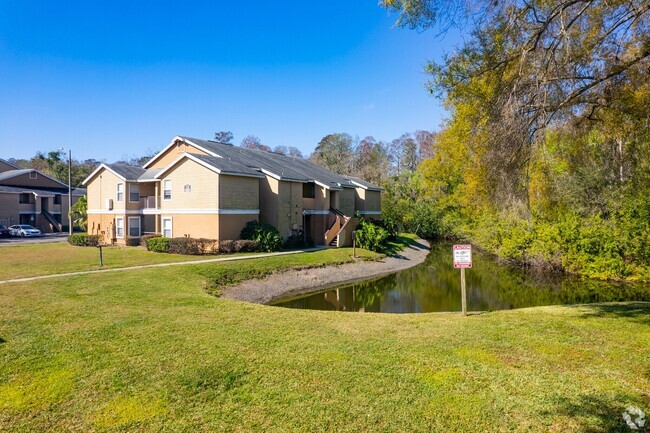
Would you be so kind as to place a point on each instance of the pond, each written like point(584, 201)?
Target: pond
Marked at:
point(434, 286)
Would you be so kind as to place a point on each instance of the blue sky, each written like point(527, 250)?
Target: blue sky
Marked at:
point(117, 79)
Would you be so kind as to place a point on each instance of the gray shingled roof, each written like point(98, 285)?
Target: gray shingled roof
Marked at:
point(287, 167)
point(14, 173)
point(10, 164)
point(365, 184)
point(227, 165)
point(42, 191)
point(129, 172)
point(150, 174)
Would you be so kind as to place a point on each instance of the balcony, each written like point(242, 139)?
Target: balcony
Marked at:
point(148, 202)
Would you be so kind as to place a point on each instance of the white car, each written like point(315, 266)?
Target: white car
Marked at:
point(24, 230)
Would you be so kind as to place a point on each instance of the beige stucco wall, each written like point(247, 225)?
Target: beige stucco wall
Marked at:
point(239, 192)
point(102, 187)
point(230, 226)
point(9, 209)
point(172, 153)
point(289, 207)
point(321, 201)
point(103, 225)
point(195, 226)
point(346, 201)
point(373, 201)
point(360, 199)
point(269, 190)
point(203, 182)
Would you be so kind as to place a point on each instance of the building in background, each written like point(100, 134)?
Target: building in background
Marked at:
point(31, 197)
point(206, 189)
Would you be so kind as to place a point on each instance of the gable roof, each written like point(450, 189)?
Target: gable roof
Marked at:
point(9, 174)
point(279, 166)
point(217, 164)
point(172, 143)
point(4, 161)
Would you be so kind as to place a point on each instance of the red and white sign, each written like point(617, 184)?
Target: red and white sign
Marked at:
point(462, 256)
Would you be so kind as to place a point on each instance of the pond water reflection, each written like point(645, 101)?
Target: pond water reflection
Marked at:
point(435, 286)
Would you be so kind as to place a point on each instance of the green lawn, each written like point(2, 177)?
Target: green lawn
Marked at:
point(151, 350)
point(55, 258)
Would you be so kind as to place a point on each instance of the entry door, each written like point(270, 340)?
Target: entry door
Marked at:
point(44, 202)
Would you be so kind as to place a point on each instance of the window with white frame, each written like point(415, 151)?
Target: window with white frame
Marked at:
point(134, 192)
point(119, 227)
point(167, 227)
point(167, 189)
point(134, 227)
point(120, 192)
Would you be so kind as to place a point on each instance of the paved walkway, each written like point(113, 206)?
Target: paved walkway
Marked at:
point(161, 265)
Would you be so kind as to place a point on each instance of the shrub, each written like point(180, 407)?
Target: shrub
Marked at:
point(191, 246)
point(132, 242)
point(371, 236)
point(83, 240)
point(245, 246)
point(158, 244)
point(267, 237)
point(145, 238)
point(226, 247)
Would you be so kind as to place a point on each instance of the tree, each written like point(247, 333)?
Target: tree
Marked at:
point(225, 137)
point(335, 153)
point(252, 142)
point(372, 160)
point(404, 154)
point(79, 214)
point(425, 141)
point(294, 152)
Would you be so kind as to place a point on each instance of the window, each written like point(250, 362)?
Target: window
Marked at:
point(57, 198)
point(167, 227)
point(134, 227)
point(308, 190)
point(120, 192)
point(24, 198)
point(134, 192)
point(33, 175)
point(167, 189)
point(119, 227)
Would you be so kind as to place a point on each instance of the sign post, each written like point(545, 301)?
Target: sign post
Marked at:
point(462, 260)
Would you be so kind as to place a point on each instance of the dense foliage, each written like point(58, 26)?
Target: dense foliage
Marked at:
point(83, 240)
point(371, 236)
point(546, 156)
point(265, 235)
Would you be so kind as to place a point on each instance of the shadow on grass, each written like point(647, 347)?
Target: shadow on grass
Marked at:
point(2, 340)
point(636, 311)
point(594, 413)
point(394, 248)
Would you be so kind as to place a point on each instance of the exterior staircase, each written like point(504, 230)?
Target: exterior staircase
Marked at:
point(50, 219)
point(332, 235)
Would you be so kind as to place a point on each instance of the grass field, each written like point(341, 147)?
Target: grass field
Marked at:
point(45, 259)
point(151, 350)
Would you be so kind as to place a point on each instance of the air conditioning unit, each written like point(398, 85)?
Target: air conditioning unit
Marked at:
point(109, 203)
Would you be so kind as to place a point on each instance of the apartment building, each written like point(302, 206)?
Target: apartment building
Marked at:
point(206, 189)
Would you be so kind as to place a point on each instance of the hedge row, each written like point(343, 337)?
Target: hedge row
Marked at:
point(191, 246)
point(83, 240)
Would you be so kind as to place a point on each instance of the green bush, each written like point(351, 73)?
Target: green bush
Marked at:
point(83, 240)
point(371, 236)
point(267, 237)
point(158, 244)
point(145, 238)
point(194, 247)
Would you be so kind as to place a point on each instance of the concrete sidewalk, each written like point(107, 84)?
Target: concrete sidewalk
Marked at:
point(161, 265)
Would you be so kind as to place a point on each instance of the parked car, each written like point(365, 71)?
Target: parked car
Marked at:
point(5, 232)
point(24, 230)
